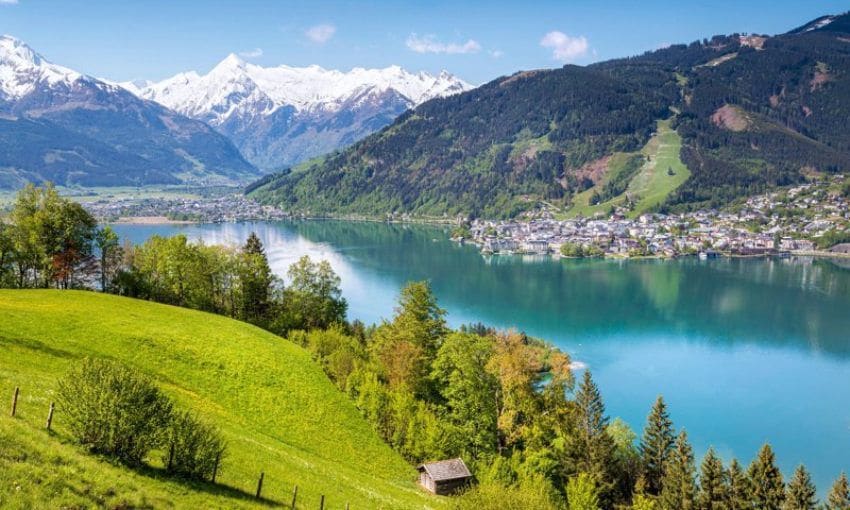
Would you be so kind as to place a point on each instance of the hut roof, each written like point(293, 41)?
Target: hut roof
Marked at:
point(445, 470)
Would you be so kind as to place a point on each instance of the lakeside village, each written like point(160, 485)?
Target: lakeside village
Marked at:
point(222, 209)
point(805, 220)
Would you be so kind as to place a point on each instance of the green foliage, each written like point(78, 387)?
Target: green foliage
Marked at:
point(467, 389)
point(738, 487)
point(678, 488)
point(593, 448)
point(582, 493)
point(833, 237)
point(49, 240)
point(766, 488)
point(800, 493)
point(642, 502)
point(712, 485)
point(193, 449)
point(656, 446)
point(534, 492)
point(839, 494)
point(313, 298)
point(113, 410)
point(574, 250)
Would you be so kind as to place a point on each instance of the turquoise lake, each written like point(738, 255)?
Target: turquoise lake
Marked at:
point(743, 350)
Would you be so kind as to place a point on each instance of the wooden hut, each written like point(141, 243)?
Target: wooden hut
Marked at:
point(444, 477)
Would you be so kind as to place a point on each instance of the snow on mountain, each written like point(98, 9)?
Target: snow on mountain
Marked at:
point(61, 125)
point(233, 81)
point(22, 69)
point(279, 116)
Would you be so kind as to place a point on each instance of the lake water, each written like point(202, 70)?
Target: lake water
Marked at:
point(744, 351)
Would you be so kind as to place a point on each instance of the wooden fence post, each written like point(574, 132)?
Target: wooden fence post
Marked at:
point(260, 485)
point(322, 503)
point(170, 457)
point(15, 400)
point(294, 496)
point(215, 468)
point(50, 415)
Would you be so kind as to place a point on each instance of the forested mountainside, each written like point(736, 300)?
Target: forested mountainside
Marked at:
point(752, 111)
point(59, 125)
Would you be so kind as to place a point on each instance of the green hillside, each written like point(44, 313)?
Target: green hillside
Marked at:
point(661, 173)
point(275, 407)
point(753, 113)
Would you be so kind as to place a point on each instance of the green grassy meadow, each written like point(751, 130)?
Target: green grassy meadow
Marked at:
point(652, 184)
point(275, 407)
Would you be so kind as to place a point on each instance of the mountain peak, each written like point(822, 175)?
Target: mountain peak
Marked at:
point(231, 62)
point(21, 68)
point(15, 50)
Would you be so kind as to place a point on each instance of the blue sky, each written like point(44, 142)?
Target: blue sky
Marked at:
point(478, 41)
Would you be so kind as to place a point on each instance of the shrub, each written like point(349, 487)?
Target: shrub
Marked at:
point(194, 447)
point(114, 410)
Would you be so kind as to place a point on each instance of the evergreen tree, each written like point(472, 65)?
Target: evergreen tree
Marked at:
point(801, 493)
point(593, 448)
point(766, 488)
point(256, 279)
point(839, 494)
point(712, 484)
point(737, 487)
point(678, 488)
point(656, 445)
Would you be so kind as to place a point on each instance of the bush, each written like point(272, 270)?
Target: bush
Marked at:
point(114, 410)
point(194, 447)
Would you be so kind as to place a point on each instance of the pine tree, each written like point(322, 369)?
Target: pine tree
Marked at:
point(737, 487)
point(253, 245)
point(712, 484)
point(256, 280)
point(766, 488)
point(678, 488)
point(594, 447)
point(839, 494)
point(656, 445)
point(801, 493)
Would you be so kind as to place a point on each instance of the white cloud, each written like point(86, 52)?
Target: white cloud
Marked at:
point(255, 53)
point(430, 44)
point(320, 34)
point(564, 47)
point(496, 53)
point(8, 2)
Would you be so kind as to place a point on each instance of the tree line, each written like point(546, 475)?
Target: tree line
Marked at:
point(534, 438)
point(52, 242)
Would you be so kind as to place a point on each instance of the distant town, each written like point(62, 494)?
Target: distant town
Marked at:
point(807, 219)
point(230, 207)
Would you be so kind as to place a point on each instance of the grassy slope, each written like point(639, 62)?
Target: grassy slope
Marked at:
point(652, 184)
point(277, 410)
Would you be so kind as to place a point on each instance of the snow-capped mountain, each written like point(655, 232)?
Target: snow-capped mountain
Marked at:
point(61, 125)
point(281, 115)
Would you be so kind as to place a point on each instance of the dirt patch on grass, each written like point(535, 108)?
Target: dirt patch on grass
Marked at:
point(753, 41)
point(821, 77)
point(595, 170)
point(517, 77)
point(731, 118)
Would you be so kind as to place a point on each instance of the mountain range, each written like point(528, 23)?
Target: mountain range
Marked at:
point(280, 116)
point(741, 113)
point(60, 125)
